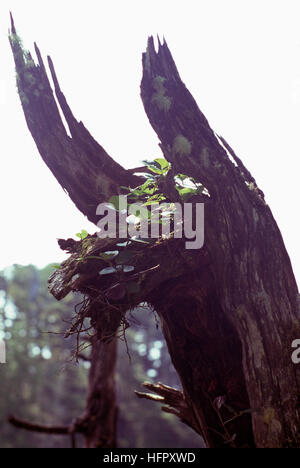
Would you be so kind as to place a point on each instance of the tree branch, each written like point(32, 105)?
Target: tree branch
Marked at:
point(81, 166)
point(61, 430)
point(173, 401)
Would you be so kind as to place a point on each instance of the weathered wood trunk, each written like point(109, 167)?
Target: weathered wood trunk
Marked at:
point(229, 325)
point(229, 310)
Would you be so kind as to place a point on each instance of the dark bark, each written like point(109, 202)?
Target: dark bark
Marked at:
point(229, 311)
point(20, 424)
point(229, 327)
point(99, 423)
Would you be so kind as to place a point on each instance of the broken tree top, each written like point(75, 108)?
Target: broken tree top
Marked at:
point(229, 310)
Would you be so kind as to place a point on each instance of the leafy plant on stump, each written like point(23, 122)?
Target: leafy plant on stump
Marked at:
point(229, 311)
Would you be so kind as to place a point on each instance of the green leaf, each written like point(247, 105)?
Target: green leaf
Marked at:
point(163, 163)
point(150, 191)
point(57, 266)
point(181, 176)
point(107, 271)
point(108, 255)
point(156, 170)
point(149, 176)
point(186, 190)
point(157, 197)
point(136, 191)
point(148, 187)
point(159, 166)
point(137, 239)
point(186, 193)
point(146, 162)
point(125, 268)
point(83, 234)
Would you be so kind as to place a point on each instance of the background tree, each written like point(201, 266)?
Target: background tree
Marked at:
point(229, 311)
point(98, 422)
point(43, 384)
point(39, 383)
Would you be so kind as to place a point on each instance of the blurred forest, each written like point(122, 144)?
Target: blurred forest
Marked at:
point(41, 382)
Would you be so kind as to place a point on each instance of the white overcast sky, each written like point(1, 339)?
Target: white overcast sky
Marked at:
point(239, 58)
